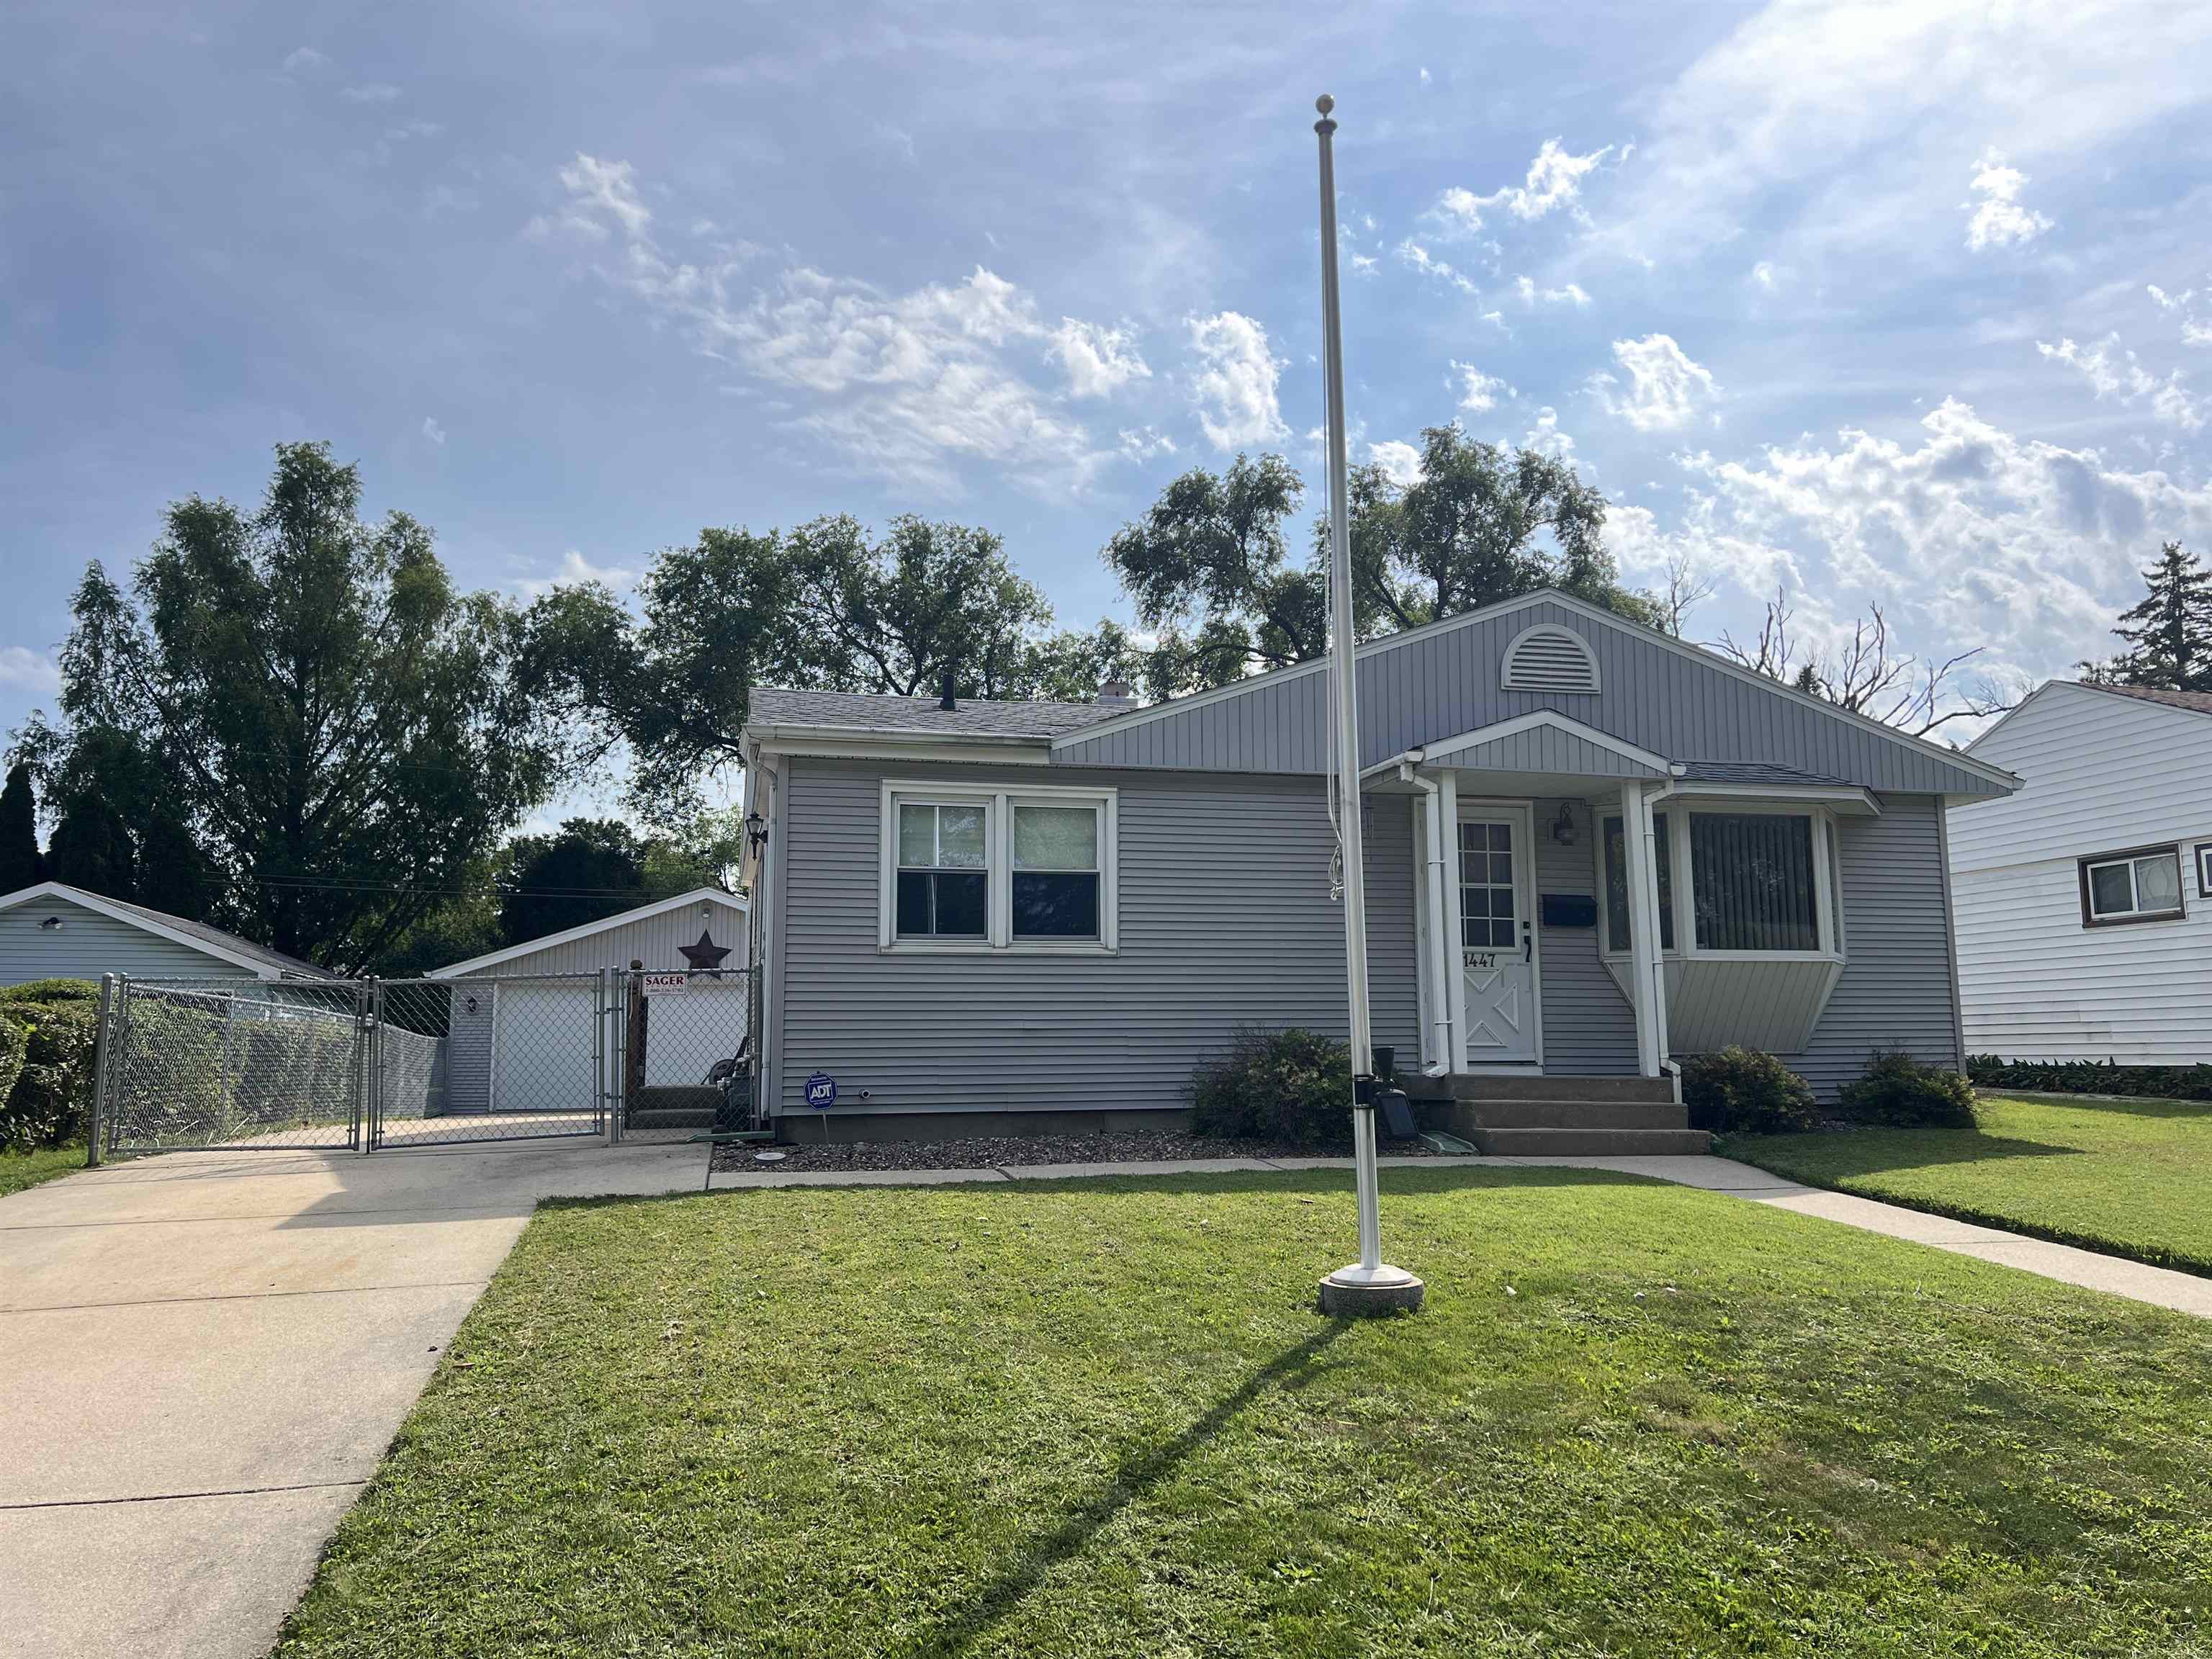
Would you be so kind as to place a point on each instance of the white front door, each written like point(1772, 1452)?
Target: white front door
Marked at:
point(1498, 936)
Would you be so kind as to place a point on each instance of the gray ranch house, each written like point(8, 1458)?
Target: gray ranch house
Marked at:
point(1591, 849)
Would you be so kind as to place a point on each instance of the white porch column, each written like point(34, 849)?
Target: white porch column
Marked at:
point(1645, 988)
point(1454, 980)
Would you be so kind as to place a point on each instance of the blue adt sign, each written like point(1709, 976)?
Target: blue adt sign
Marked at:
point(821, 1090)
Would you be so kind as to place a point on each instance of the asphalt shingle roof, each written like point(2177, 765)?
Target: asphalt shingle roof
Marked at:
point(852, 711)
point(1749, 772)
point(2198, 703)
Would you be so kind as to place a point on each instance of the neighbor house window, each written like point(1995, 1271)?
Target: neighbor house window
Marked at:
point(1616, 883)
point(944, 870)
point(1753, 872)
point(2204, 869)
point(994, 869)
point(2143, 885)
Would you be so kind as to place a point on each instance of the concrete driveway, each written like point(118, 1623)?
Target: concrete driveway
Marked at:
point(203, 1356)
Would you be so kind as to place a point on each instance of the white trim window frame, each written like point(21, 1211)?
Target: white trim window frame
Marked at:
point(999, 804)
point(1677, 808)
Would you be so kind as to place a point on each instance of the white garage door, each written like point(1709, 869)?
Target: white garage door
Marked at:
point(542, 1047)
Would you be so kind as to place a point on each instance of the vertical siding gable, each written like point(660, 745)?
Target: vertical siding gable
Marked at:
point(1445, 683)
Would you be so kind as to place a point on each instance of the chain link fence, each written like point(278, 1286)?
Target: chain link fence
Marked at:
point(685, 1045)
point(362, 1064)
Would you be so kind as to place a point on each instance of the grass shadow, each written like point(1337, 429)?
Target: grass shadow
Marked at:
point(1133, 1477)
point(2117, 1105)
point(1871, 1151)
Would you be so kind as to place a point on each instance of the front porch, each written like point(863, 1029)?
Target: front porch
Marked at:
point(1541, 1116)
point(1586, 911)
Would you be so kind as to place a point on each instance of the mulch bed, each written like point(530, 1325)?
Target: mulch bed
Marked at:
point(989, 1151)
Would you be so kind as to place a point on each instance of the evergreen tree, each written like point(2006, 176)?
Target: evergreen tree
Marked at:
point(21, 866)
point(91, 847)
point(2169, 633)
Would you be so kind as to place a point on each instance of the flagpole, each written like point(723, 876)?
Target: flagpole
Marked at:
point(1370, 1285)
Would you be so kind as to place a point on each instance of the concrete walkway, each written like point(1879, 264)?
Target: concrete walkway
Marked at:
point(2161, 1286)
point(202, 1357)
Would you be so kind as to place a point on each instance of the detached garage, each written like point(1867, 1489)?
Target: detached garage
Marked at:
point(522, 1040)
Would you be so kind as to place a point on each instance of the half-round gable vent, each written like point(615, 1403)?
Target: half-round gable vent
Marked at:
point(1550, 658)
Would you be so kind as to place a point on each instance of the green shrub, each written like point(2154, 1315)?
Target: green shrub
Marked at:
point(1737, 1090)
point(1904, 1092)
point(12, 1044)
point(1293, 1087)
point(51, 990)
point(53, 1093)
point(2091, 1077)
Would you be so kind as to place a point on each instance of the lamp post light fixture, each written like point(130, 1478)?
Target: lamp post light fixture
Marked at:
point(756, 830)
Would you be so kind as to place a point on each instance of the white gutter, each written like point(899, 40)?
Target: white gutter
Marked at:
point(1439, 994)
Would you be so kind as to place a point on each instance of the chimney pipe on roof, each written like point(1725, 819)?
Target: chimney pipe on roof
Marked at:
point(944, 698)
point(1116, 695)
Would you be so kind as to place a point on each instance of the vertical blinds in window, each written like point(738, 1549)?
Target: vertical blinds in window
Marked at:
point(1754, 882)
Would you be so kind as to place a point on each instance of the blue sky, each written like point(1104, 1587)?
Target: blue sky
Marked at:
point(1908, 304)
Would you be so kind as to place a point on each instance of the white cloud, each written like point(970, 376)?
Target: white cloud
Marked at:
point(34, 671)
point(1146, 443)
point(1411, 252)
point(1765, 274)
point(1972, 535)
point(2000, 219)
point(2113, 372)
point(574, 570)
point(2195, 330)
point(303, 58)
point(1843, 122)
point(433, 431)
point(1099, 361)
point(1555, 181)
point(372, 91)
point(1235, 386)
point(1399, 461)
point(602, 197)
point(1545, 438)
point(1479, 392)
point(1571, 294)
point(1425, 77)
point(1665, 385)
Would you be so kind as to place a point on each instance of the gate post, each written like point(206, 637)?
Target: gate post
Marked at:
point(367, 999)
point(104, 1040)
point(601, 1047)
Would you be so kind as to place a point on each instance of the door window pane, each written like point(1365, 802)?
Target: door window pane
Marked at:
point(1487, 904)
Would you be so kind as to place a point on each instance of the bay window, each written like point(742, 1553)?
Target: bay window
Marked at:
point(990, 868)
point(1757, 883)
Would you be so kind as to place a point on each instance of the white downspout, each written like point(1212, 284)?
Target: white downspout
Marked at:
point(1439, 999)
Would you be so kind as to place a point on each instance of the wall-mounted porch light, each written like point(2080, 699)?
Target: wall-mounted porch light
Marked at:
point(1563, 827)
point(756, 830)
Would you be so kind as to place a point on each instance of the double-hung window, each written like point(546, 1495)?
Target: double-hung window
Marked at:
point(2142, 884)
point(994, 869)
point(944, 870)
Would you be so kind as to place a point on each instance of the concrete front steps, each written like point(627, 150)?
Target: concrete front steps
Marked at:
point(1559, 1116)
point(672, 1107)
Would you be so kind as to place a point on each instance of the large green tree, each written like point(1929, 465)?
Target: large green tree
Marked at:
point(20, 864)
point(825, 606)
point(1208, 566)
point(2169, 633)
point(339, 733)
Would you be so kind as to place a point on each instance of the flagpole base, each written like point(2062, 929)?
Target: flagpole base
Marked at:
point(1357, 1292)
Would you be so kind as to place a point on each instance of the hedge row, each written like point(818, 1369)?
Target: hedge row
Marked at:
point(2091, 1077)
point(48, 1029)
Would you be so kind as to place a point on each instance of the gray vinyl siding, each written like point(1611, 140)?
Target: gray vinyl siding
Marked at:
point(1590, 1029)
point(1440, 684)
point(1895, 991)
point(1546, 748)
point(87, 945)
point(1224, 919)
point(468, 1049)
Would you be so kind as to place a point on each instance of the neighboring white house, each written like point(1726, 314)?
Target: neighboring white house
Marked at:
point(527, 1034)
point(2084, 902)
point(54, 931)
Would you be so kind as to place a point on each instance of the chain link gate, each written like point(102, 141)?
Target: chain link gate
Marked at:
point(684, 1055)
point(355, 1064)
point(512, 1058)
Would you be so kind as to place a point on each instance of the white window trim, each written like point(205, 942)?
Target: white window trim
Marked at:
point(997, 801)
point(1827, 886)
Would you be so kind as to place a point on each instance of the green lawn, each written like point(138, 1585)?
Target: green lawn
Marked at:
point(22, 1170)
point(2131, 1177)
point(1102, 1419)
